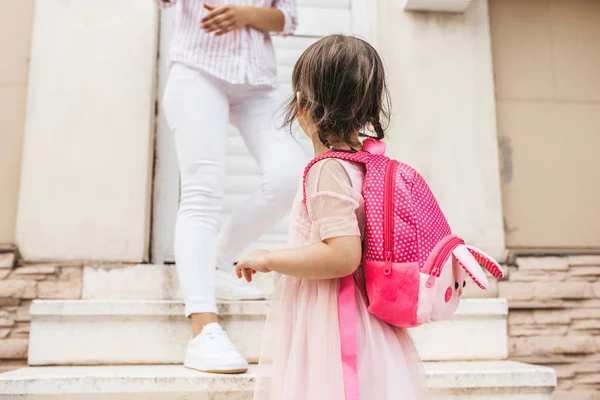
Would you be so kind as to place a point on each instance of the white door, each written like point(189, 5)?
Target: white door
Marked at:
point(317, 18)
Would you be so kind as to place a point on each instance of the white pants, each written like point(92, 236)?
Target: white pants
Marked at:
point(198, 108)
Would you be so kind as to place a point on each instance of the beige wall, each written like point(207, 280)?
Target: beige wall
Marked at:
point(89, 134)
point(15, 36)
point(440, 76)
point(547, 70)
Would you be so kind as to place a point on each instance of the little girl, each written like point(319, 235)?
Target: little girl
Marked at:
point(340, 91)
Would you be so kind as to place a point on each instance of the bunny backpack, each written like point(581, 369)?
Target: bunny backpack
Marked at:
point(414, 266)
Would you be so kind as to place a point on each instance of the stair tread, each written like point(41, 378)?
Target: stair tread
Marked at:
point(441, 375)
point(468, 307)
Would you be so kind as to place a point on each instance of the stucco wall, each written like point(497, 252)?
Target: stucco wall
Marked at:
point(15, 37)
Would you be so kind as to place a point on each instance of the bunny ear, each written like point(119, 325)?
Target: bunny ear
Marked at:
point(487, 262)
point(468, 262)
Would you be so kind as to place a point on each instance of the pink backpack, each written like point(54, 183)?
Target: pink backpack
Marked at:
point(414, 266)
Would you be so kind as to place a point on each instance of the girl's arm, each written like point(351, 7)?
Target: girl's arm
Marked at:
point(333, 218)
point(332, 258)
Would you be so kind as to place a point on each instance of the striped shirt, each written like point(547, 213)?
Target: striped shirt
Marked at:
point(242, 56)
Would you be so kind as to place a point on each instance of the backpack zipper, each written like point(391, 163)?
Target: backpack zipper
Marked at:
point(388, 213)
point(442, 255)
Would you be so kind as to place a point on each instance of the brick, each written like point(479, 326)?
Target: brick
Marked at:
point(587, 379)
point(586, 324)
point(71, 273)
point(4, 273)
point(22, 314)
point(564, 371)
point(544, 345)
point(7, 260)
point(538, 330)
point(18, 289)
point(581, 303)
point(543, 263)
point(515, 290)
point(596, 289)
point(520, 317)
point(36, 270)
point(6, 322)
point(9, 302)
point(537, 276)
point(576, 395)
point(584, 260)
point(59, 290)
point(587, 368)
point(529, 304)
point(13, 348)
point(591, 271)
point(552, 317)
point(4, 332)
point(21, 330)
point(563, 290)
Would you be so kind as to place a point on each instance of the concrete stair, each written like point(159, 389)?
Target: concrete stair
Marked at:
point(492, 380)
point(96, 348)
point(82, 332)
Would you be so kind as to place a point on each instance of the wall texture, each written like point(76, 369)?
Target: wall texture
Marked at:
point(15, 37)
point(554, 319)
point(440, 76)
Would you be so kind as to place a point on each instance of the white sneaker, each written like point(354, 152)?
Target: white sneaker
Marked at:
point(229, 287)
point(212, 351)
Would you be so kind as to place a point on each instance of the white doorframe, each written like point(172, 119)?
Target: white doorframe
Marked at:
point(166, 184)
point(363, 21)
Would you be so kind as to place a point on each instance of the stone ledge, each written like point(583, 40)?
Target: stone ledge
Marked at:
point(175, 382)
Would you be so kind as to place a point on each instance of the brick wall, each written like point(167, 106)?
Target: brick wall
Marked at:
point(19, 286)
point(554, 319)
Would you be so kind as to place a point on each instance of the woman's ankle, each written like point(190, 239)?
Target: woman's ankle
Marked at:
point(200, 320)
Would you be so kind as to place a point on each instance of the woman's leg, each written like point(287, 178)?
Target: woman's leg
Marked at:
point(281, 160)
point(197, 109)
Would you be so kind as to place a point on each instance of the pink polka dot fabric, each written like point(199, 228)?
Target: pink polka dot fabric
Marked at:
point(419, 223)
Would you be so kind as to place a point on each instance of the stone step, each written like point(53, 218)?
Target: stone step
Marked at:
point(106, 332)
point(160, 282)
point(499, 380)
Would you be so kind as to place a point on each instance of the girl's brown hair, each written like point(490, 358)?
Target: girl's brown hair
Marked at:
point(342, 87)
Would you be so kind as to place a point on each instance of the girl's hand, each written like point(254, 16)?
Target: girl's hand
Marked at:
point(224, 18)
point(255, 262)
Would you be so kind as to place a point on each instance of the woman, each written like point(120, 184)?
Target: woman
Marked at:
point(224, 66)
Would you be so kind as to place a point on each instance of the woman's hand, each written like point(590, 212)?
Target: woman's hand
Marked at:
point(256, 262)
point(225, 18)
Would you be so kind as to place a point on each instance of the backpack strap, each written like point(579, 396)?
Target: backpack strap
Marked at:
point(358, 157)
point(371, 146)
point(348, 342)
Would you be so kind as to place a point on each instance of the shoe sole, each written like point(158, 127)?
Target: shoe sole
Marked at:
point(220, 371)
point(252, 299)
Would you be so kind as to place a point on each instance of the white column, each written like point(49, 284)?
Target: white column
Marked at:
point(444, 124)
point(87, 160)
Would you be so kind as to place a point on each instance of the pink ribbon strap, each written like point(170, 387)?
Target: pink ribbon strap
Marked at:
point(347, 318)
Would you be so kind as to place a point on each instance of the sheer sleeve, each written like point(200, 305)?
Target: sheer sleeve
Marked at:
point(331, 208)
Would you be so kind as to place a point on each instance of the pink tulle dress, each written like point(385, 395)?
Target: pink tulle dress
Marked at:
point(300, 356)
